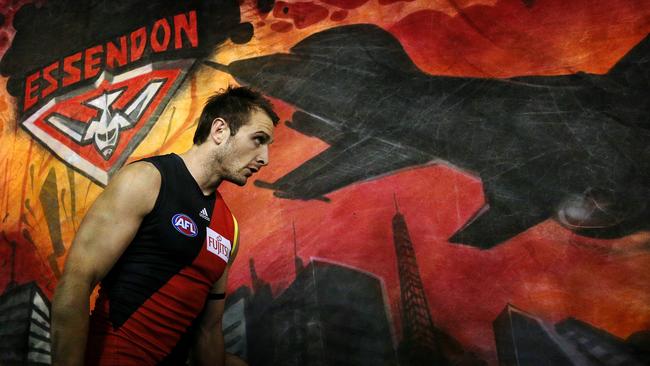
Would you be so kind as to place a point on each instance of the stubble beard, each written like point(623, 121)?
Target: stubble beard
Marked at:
point(225, 172)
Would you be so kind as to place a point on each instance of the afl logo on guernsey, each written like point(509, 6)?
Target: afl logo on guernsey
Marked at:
point(185, 225)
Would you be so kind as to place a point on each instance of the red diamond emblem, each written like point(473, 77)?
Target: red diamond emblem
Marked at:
point(95, 129)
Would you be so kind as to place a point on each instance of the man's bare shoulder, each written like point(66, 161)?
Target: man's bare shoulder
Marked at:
point(138, 175)
point(135, 185)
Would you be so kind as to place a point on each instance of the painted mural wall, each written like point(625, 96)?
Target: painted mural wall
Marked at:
point(453, 182)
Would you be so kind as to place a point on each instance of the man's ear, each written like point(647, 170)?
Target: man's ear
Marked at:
point(219, 131)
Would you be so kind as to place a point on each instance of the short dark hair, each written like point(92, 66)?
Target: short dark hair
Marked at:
point(234, 105)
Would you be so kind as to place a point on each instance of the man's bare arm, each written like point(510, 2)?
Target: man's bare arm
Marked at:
point(106, 231)
point(209, 348)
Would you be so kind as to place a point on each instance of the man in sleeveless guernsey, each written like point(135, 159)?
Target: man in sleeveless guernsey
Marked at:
point(160, 240)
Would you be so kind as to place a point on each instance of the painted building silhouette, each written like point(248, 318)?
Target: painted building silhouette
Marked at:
point(330, 315)
point(24, 326)
point(525, 340)
point(418, 346)
point(423, 343)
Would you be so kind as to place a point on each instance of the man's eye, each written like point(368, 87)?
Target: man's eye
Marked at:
point(259, 140)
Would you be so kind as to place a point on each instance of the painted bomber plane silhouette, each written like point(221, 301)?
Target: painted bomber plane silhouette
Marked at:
point(573, 147)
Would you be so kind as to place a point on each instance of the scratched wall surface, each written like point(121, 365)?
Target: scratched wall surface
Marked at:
point(452, 182)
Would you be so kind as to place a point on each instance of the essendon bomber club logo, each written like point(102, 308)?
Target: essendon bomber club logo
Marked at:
point(96, 126)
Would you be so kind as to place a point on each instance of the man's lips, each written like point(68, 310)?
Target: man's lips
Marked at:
point(252, 170)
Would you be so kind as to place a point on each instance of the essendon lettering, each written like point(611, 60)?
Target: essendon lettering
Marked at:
point(165, 35)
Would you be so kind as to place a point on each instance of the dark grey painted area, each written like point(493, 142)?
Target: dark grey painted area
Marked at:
point(574, 147)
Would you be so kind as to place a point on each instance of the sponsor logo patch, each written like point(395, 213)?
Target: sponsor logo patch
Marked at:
point(184, 225)
point(217, 244)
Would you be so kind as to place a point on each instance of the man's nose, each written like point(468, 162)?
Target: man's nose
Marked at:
point(263, 157)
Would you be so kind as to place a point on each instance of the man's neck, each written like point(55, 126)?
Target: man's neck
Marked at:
point(201, 168)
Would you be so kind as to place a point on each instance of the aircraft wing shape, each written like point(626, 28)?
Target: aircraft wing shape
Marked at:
point(498, 221)
point(321, 128)
point(349, 160)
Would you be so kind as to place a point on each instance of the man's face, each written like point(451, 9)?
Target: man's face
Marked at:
point(248, 151)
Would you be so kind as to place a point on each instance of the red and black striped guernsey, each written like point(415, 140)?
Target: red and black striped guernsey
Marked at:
point(149, 301)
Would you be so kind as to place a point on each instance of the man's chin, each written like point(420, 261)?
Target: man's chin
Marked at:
point(240, 181)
